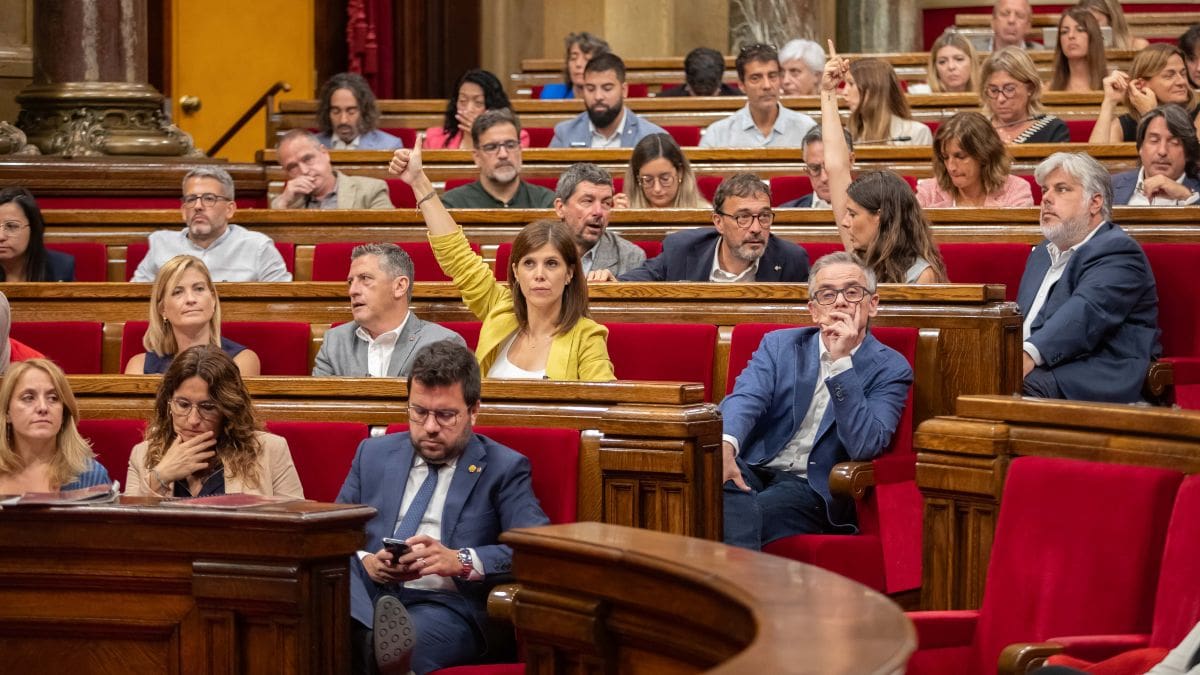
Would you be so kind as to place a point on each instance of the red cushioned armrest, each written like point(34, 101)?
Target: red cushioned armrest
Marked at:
point(1100, 647)
point(949, 628)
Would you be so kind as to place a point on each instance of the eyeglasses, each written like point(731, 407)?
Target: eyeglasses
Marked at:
point(493, 148)
point(666, 180)
point(444, 418)
point(12, 227)
point(815, 169)
point(828, 296)
point(183, 408)
point(1009, 90)
point(743, 219)
point(207, 199)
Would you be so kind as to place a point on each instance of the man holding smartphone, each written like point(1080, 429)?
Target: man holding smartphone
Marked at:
point(443, 496)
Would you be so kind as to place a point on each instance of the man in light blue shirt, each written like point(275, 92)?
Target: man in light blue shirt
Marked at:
point(763, 122)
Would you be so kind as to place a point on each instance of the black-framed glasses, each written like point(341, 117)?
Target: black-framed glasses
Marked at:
point(182, 407)
point(207, 199)
point(853, 295)
point(743, 219)
point(666, 180)
point(1009, 90)
point(444, 418)
point(493, 148)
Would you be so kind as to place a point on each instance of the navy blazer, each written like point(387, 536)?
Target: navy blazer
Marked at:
point(772, 395)
point(1123, 185)
point(493, 498)
point(804, 202)
point(60, 266)
point(688, 256)
point(1098, 330)
point(576, 132)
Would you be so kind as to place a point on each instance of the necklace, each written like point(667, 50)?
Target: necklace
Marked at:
point(1010, 124)
point(532, 341)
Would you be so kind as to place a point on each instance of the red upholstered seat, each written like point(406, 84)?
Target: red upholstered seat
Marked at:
point(787, 188)
point(282, 346)
point(548, 182)
point(406, 135)
point(469, 330)
point(708, 185)
point(986, 263)
point(322, 453)
point(540, 137)
point(1080, 130)
point(618, 184)
point(1034, 188)
point(91, 258)
point(817, 249)
point(452, 183)
point(331, 260)
point(886, 553)
point(113, 441)
point(652, 248)
point(1076, 552)
point(685, 136)
point(1178, 315)
point(137, 250)
point(401, 194)
point(74, 345)
point(912, 182)
point(638, 90)
point(672, 352)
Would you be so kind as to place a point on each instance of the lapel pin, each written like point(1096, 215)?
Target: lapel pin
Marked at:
point(778, 267)
point(474, 469)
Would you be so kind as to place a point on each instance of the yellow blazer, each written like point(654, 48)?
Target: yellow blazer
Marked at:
point(579, 354)
point(276, 472)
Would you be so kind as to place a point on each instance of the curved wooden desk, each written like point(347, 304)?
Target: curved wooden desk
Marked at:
point(605, 598)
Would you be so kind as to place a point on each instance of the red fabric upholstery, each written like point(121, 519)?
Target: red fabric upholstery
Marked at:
point(1178, 316)
point(287, 251)
point(817, 249)
point(1133, 662)
point(1075, 552)
point(708, 185)
point(131, 340)
point(1080, 130)
point(137, 250)
point(618, 184)
point(401, 194)
point(674, 352)
point(652, 248)
point(1177, 603)
point(550, 183)
point(322, 453)
point(452, 183)
point(787, 188)
point(469, 330)
point(986, 263)
point(109, 203)
point(282, 346)
point(685, 136)
point(536, 91)
point(540, 137)
point(331, 260)
point(1034, 188)
point(74, 345)
point(912, 182)
point(91, 258)
point(638, 90)
point(113, 441)
point(933, 126)
point(503, 252)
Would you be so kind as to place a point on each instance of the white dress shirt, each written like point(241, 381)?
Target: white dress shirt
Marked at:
point(722, 277)
point(237, 255)
point(1139, 198)
point(1058, 264)
point(380, 349)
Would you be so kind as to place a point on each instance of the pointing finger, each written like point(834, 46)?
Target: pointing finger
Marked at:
point(832, 49)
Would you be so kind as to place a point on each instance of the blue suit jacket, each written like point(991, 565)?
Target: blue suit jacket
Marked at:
point(481, 504)
point(1098, 330)
point(372, 140)
point(1124, 183)
point(688, 256)
point(803, 202)
point(772, 395)
point(575, 132)
point(60, 266)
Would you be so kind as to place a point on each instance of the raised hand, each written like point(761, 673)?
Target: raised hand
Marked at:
point(1141, 97)
point(840, 330)
point(835, 71)
point(406, 163)
point(620, 201)
point(1115, 85)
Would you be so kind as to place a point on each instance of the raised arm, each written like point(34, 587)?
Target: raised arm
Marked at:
point(406, 164)
point(1107, 127)
point(837, 154)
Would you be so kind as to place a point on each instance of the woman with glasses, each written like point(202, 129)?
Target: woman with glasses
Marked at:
point(877, 215)
point(477, 90)
point(40, 447)
point(23, 252)
point(971, 168)
point(204, 438)
point(660, 177)
point(185, 311)
point(1158, 75)
point(1012, 99)
point(879, 112)
point(534, 327)
point(1079, 61)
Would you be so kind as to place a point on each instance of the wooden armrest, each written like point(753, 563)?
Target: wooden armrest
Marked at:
point(1023, 657)
point(852, 479)
point(1159, 379)
point(500, 601)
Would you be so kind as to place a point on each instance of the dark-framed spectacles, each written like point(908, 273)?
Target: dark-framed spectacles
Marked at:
point(493, 148)
point(853, 295)
point(444, 418)
point(181, 407)
point(1009, 90)
point(666, 180)
point(207, 199)
point(743, 219)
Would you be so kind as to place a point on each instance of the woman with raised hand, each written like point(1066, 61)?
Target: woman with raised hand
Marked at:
point(1079, 61)
point(1158, 75)
point(877, 215)
point(534, 327)
point(1011, 91)
point(476, 91)
point(971, 168)
point(205, 439)
point(660, 177)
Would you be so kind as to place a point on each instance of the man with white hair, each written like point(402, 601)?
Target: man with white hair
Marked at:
point(802, 62)
point(1088, 294)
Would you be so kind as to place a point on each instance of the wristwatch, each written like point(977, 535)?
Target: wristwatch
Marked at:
point(467, 562)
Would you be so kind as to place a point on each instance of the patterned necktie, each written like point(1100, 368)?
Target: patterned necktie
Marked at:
point(412, 517)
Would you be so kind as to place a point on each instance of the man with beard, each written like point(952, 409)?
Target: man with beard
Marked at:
point(1087, 295)
point(584, 201)
point(231, 252)
point(313, 184)
point(497, 138)
point(739, 247)
point(1170, 158)
point(448, 494)
point(607, 123)
point(348, 114)
point(763, 121)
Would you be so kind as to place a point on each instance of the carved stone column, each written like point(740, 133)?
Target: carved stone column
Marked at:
point(89, 94)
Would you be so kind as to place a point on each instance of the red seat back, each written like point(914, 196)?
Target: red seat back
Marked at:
point(452, 183)
point(74, 345)
point(986, 263)
point(282, 346)
point(469, 330)
point(708, 185)
point(331, 260)
point(136, 251)
point(639, 352)
point(401, 194)
point(1177, 603)
point(406, 135)
point(652, 248)
point(817, 249)
point(322, 453)
point(787, 188)
point(113, 441)
point(91, 258)
point(1080, 130)
point(1034, 188)
point(685, 136)
point(503, 253)
point(638, 90)
point(1174, 268)
point(540, 137)
point(548, 182)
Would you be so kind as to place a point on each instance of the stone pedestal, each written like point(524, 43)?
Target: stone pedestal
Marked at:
point(89, 94)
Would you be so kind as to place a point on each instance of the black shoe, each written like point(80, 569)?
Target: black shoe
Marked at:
point(394, 636)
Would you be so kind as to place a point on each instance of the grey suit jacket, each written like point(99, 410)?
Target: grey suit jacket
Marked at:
point(614, 252)
point(576, 132)
point(344, 355)
point(362, 192)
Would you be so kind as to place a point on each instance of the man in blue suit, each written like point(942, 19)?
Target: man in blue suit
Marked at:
point(606, 123)
point(809, 399)
point(448, 493)
point(1170, 157)
point(1087, 295)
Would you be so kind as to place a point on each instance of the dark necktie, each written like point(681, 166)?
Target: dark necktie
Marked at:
point(412, 517)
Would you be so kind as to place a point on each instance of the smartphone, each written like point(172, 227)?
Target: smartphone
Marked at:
point(396, 547)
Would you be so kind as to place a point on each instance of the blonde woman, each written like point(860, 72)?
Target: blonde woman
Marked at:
point(1011, 92)
point(1157, 75)
point(953, 66)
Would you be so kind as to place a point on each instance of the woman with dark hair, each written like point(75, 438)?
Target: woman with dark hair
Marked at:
point(477, 90)
point(536, 326)
point(1109, 13)
point(581, 47)
point(971, 168)
point(1079, 61)
point(879, 112)
point(877, 215)
point(204, 438)
point(660, 177)
point(1158, 75)
point(23, 252)
point(1011, 91)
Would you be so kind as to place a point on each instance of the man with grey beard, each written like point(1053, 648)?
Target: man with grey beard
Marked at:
point(738, 248)
point(496, 135)
point(1087, 295)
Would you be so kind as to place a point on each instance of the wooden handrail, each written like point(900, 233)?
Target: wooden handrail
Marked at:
point(267, 100)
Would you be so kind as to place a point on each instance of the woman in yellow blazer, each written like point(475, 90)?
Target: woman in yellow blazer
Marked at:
point(537, 325)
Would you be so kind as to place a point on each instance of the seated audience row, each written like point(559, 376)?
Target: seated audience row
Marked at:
point(1157, 76)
